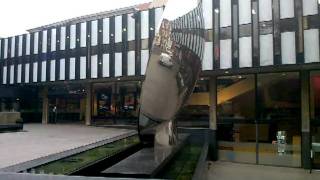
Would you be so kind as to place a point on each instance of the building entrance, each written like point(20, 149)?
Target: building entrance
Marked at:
point(66, 104)
point(315, 117)
point(259, 119)
point(116, 102)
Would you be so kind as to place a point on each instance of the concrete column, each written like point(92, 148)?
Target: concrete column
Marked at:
point(213, 145)
point(305, 119)
point(45, 105)
point(88, 119)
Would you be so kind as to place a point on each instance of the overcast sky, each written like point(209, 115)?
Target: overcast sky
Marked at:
point(17, 16)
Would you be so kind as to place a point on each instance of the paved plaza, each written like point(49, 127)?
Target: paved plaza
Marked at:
point(39, 140)
point(236, 171)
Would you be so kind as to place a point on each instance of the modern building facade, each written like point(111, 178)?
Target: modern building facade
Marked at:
point(260, 86)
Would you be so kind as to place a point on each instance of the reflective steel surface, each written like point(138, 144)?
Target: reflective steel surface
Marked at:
point(173, 68)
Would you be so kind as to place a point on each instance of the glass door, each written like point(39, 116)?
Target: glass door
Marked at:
point(315, 117)
point(236, 118)
point(279, 132)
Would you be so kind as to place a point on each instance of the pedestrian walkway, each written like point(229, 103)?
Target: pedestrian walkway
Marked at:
point(39, 140)
point(236, 171)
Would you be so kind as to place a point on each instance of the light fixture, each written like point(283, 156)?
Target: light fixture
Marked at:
point(100, 63)
point(124, 29)
point(100, 30)
point(151, 28)
point(67, 37)
point(226, 72)
point(118, 79)
point(216, 11)
point(254, 11)
point(88, 35)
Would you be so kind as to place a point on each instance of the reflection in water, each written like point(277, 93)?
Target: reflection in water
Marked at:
point(173, 69)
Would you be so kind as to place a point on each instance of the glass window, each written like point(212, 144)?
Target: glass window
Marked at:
point(28, 44)
point(245, 52)
point(225, 13)
point(225, 54)
point(20, 45)
point(131, 63)
point(73, 29)
point(62, 75)
point(279, 119)
point(35, 72)
point(266, 50)
point(144, 61)
point(83, 67)
point(94, 66)
point(118, 64)
point(43, 71)
point(131, 27)
point(236, 118)
point(207, 13)
point(44, 41)
point(207, 62)
point(36, 43)
point(288, 48)
point(315, 116)
point(310, 7)
point(5, 51)
point(118, 29)
point(94, 33)
point(105, 65)
point(245, 12)
point(72, 74)
point(11, 74)
point(265, 10)
point(83, 35)
point(144, 24)
point(19, 73)
point(159, 12)
point(53, 39)
point(52, 70)
point(13, 45)
point(286, 9)
point(311, 45)
point(26, 73)
point(106, 31)
point(63, 38)
point(4, 75)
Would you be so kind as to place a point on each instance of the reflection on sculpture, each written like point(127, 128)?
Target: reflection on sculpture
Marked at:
point(173, 69)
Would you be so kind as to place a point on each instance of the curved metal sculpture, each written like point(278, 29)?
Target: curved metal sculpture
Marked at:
point(173, 69)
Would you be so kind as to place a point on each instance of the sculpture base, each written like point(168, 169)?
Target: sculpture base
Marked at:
point(145, 163)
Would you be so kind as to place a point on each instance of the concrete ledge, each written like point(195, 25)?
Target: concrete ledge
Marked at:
point(19, 176)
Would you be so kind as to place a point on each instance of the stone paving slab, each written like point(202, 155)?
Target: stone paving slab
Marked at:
point(39, 141)
point(235, 171)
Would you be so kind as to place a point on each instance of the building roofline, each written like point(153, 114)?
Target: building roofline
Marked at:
point(95, 16)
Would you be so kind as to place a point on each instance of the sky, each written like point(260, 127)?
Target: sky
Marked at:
point(17, 16)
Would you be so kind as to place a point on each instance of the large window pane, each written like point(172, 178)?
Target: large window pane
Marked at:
point(236, 113)
point(225, 13)
point(73, 36)
point(315, 116)
point(311, 45)
point(279, 119)
point(245, 12)
point(118, 29)
point(286, 9)
point(265, 10)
